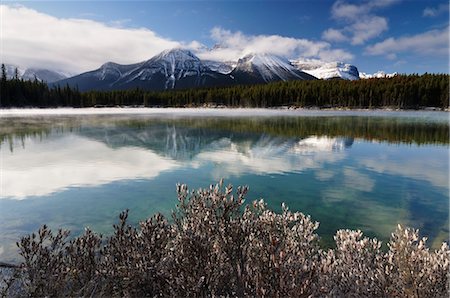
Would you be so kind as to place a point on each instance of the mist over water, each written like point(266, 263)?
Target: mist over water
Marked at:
point(359, 170)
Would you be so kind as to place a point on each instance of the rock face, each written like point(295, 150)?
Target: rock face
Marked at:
point(327, 70)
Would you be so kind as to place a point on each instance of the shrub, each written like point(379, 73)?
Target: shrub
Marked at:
point(216, 246)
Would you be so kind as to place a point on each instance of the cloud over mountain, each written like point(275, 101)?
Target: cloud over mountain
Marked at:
point(233, 45)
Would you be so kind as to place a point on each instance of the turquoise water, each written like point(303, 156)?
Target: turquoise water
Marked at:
point(365, 170)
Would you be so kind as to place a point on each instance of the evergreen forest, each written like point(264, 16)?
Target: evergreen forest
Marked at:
point(401, 92)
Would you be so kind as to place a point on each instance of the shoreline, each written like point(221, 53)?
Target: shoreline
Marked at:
point(208, 110)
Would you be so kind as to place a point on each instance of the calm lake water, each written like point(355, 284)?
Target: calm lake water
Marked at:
point(357, 170)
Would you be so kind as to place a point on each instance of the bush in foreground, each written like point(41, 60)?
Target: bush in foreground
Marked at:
point(213, 246)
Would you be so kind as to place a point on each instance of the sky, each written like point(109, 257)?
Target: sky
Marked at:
point(404, 36)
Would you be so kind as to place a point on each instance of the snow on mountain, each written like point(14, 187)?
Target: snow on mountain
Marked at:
point(378, 75)
point(270, 68)
point(327, 70)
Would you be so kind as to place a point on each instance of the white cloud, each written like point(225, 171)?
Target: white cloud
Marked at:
point(435, 11)
point(33, 39)
point(343, 10)
point(395, 162)
point(332, 34)
point(234, 45)
point(367, 29)
point(434, 42)
point(358, 181)
point(362, 24)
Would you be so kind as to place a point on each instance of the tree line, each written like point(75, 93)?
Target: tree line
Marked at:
point(403, 91)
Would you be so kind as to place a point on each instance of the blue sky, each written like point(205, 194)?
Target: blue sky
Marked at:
point(390, 35)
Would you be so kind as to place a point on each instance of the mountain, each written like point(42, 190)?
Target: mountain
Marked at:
point(171, 69)
point(327, 70)
point(181, 69)
point(29, 74)
point(378, 75)
point(103, 78)
point(263, 68)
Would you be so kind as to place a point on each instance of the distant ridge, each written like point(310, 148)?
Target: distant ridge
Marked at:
point(30, 74)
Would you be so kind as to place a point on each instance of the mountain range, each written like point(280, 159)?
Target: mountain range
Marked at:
point(181, 69)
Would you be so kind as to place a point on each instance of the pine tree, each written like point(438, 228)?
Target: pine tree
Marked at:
point(3, 73)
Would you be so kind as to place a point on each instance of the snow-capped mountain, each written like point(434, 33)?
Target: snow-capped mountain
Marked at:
point(176, 68)
point(30, 74)
point(327, 70)
point(260, 68)
point(171, 69)
point(378, 75)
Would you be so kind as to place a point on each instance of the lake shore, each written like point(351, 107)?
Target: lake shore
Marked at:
point(205, 110)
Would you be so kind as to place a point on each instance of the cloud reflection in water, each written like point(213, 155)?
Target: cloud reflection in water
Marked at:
point(42, 168)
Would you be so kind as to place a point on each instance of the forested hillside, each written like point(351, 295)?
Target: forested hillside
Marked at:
point(403, 91)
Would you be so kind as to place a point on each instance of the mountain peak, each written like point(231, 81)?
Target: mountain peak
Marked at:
point(177, 54)
point(109, 65)
point(269, 67)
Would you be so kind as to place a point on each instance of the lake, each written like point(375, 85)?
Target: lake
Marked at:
point(367, 170)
